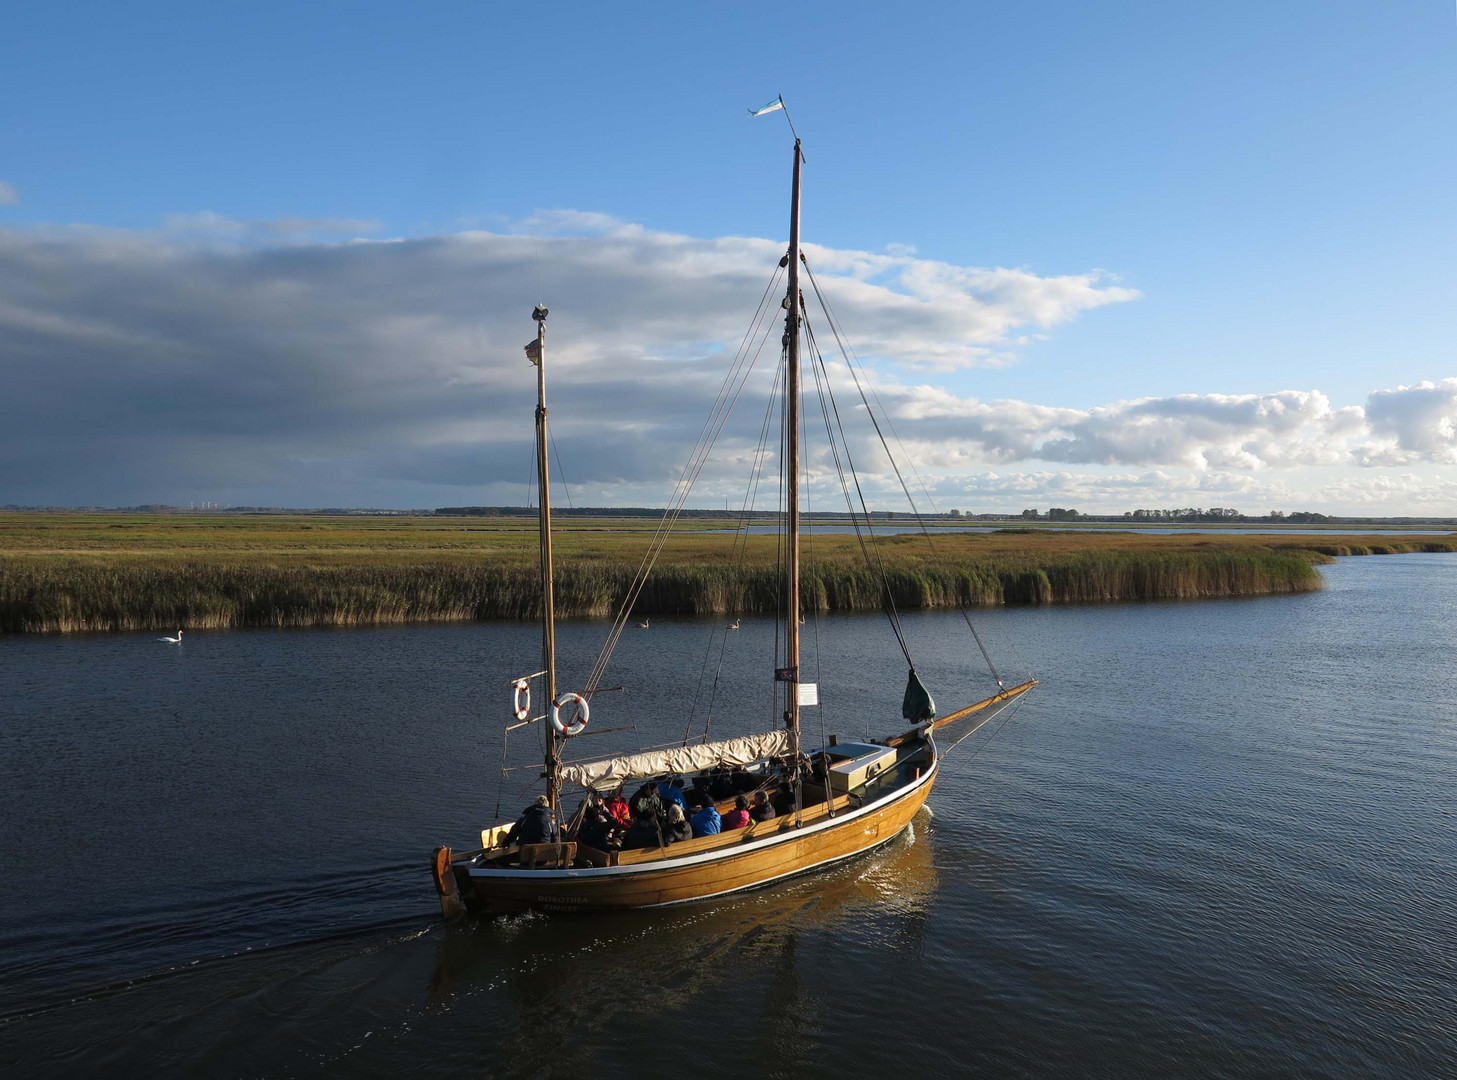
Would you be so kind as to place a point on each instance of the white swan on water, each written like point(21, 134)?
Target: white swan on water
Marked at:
point(644, 624)
point(734, 625)
point(174, 640)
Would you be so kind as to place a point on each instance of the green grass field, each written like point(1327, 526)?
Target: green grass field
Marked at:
point(70, 572)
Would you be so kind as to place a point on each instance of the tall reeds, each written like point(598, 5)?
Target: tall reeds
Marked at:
point(109, 593)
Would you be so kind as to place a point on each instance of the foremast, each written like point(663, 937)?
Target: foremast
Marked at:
point(548, 604)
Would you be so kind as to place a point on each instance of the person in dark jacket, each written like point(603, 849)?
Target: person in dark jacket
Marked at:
point(702, 790)
point(678, 828)
point(537, 825)
point(697, 800)
point(721, 783)
point(763, 809)
point(598, 829)
point(644, 833)
point(671, 791)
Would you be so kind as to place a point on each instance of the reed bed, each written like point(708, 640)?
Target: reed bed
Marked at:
point(83, 573)
point(71, 595)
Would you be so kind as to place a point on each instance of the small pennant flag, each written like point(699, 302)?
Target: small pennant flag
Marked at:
point(533, 351)
point(773, 106)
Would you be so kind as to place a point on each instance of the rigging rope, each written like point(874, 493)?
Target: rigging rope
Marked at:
point(877, 560)
point(920, 521)
point(561, 472)
point(730, 389)
point(737, 552)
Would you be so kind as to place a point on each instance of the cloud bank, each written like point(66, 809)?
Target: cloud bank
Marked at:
point(311, 362)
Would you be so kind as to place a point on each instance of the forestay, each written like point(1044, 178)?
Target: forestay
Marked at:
point(680, 759)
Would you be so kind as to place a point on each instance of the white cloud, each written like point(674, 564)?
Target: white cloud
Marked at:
point(1195, 431)
point(1414, 423)
point(213, 359)
point(9, 194)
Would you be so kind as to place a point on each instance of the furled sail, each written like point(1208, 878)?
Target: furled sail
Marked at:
point(917, 705)
point(680, 759)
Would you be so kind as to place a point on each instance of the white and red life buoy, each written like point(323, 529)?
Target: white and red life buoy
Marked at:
point(521, 700)
point(583, 713)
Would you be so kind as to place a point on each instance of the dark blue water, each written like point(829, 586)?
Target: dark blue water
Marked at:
point(1219, 840)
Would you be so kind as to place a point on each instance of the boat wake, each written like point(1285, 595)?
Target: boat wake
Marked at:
point(77, 956)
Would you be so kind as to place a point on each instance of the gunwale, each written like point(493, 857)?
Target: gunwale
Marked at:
point(727, 852)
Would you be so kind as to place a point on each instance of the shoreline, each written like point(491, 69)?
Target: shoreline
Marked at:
point(162, 573)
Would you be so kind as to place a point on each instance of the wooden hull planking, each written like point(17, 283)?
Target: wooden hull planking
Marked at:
point(715, 873)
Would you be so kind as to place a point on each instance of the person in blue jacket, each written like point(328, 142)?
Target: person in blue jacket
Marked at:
point(707, 822)
point(671, 791)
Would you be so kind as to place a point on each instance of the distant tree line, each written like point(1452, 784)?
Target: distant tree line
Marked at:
point(1226, 514)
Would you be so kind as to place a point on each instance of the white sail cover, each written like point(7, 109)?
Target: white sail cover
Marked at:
point(680, 759)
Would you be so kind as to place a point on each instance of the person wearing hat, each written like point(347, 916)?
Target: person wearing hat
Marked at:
point(537, 825)
point(678, 828)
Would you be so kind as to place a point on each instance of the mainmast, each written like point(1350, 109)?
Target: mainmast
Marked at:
point(548, 620)
point(791, 465)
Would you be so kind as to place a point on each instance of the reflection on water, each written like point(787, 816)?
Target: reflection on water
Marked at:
point(591, 979)
point(544, 993)
point(1217, 841)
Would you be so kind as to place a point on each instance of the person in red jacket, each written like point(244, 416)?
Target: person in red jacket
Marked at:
point(617, 806)
point(738, 817)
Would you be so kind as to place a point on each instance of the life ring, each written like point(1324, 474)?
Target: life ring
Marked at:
point(521, 701)
point(583, 713)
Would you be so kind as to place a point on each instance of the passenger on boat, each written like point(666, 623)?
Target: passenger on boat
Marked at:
point(617, 806)
point(762, 809)
point(646, 832)
point(537, 825)
point(698, 799)
point(738, 817)
point(678, 828)
point(721, 784)
point(598, 830)
point(671, 791)
point(701, 795)
point(707, 822)
point(647, 804)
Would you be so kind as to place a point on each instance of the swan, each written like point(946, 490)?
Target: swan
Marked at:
point(734, 625)
point(644, 624)
point(174, 640)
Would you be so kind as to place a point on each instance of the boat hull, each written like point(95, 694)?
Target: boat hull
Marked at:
point(703, 876)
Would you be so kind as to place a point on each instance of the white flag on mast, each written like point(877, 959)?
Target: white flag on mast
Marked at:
point(773, 106)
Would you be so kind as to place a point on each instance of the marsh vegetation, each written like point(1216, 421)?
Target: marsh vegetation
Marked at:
point(73, 572)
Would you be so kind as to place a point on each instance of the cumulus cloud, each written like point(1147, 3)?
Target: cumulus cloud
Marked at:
point(1414, 423)
point(1196, 431)
point(252, 362)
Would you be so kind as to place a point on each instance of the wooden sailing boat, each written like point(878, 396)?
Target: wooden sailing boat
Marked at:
point(834, 803)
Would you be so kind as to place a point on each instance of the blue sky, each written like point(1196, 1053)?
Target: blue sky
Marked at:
point(1274, 181)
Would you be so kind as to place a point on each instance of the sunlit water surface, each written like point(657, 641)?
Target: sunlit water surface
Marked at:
point(1219, 840)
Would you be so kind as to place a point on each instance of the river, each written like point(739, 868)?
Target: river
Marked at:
point(1218, 841)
